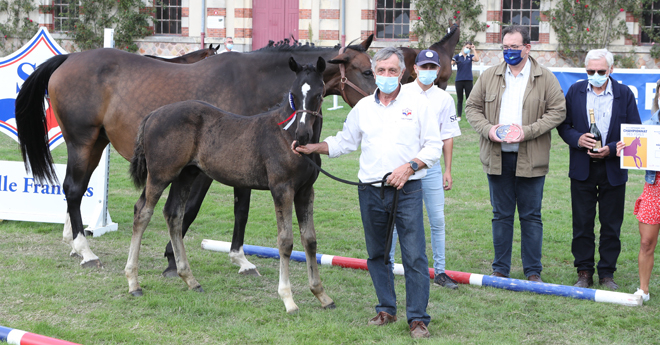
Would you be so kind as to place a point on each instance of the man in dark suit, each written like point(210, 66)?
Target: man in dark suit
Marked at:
point(595, 176)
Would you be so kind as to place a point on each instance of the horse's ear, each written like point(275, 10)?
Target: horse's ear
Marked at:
point(320, 65)
point(366, 43)
point(294, 65)
point(339, 59)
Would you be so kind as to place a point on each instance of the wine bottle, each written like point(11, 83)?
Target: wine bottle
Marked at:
point(593, 129)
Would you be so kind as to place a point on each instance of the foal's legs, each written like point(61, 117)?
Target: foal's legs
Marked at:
point(144, 209)
point(304, 203)
point(198, 191)
point(283, 200)
point(241, 210)
point(82, 160)
point(174, 214)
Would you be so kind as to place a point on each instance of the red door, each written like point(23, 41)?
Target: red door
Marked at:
point(273, 20)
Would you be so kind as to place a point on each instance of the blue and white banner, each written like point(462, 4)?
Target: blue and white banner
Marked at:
point(14, 70)
point(21, 198)
point(642, 82)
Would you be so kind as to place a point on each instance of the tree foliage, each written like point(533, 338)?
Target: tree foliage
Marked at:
point(582, 25)
point(436, 16)
point(18, 28)
point(129, 18)
point(87, 20)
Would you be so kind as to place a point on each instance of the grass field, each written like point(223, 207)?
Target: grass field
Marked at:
point(44, 291)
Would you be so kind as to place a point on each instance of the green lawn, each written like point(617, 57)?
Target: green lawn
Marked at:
point(46, 292)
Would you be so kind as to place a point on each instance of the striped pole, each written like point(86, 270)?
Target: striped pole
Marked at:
point(460, 277)
point(18, 337)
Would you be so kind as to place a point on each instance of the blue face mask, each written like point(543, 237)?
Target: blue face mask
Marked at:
point(229, 46)
point(512, 57)
point(466, 51)
point(597, 80)
point(427, 77)
point(387, 84)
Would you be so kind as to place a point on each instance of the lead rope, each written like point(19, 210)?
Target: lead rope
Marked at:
point(395, 201)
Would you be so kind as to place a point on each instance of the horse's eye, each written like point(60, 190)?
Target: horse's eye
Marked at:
point(368, 73)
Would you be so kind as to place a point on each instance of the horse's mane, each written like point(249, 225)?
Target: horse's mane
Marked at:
point(285, 46)
point(451, 32)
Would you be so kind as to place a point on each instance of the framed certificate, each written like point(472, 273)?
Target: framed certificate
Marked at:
point(642, 151)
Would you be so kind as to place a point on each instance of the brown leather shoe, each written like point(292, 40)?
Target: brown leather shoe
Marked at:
point(535, 278)
point(609, 283)
point(498, 274)
point(585, 279)
point(382, 318)
point(418, 330)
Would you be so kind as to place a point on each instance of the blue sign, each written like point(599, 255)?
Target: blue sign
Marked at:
point(642, 82)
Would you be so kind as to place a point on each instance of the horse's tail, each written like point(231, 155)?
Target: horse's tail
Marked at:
point(138, 167)
point(31, 121)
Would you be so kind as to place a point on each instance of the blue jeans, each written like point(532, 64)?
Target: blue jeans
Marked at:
point(409, 220)
point(507, 191)
point(434, 200)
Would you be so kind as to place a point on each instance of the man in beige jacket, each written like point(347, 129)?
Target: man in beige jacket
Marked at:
point(514, 106)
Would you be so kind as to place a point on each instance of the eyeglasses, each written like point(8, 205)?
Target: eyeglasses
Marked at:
point(600, 72)
point(513, 47)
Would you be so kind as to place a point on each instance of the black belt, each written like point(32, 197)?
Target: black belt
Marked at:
point(597, 161)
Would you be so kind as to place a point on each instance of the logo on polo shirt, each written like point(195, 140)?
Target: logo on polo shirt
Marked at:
point(406, 112)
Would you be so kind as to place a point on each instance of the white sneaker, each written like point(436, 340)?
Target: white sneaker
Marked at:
point(645, 296)
point(459, 119)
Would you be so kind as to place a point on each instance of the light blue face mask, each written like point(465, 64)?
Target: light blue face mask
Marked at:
point(597, 80)
point(387, 84)
point(229, 46)
point(466, 51)
point(427, 77)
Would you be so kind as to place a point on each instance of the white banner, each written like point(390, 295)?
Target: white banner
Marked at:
point(642, 151)
point(21, 198)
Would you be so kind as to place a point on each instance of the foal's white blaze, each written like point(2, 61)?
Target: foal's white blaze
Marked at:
point(304, 89)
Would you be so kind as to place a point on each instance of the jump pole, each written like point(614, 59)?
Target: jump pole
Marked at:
point(18, 337)
point(461, 277)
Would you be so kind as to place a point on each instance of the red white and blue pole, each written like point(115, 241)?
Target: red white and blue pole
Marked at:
point(18, 337)
point(461, 277)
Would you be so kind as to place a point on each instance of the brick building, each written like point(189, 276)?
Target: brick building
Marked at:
point(252, 23)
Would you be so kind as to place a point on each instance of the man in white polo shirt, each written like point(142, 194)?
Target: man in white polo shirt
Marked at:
point(398, 134)
point(434, 184)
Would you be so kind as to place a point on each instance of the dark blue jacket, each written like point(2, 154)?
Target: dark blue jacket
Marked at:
point(624, 110)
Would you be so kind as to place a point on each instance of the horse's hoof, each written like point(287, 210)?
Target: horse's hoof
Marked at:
point(137, 293)
point(73, 254)
point(330, 306)
point(170, 273)
point(292, 311)
point(198, 289)
point(96, 263)
point(250, 272)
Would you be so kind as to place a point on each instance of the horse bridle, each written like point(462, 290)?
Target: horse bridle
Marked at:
point(344, 81)
point(295, 113)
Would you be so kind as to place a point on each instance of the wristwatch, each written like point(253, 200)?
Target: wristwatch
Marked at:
point(414, 166)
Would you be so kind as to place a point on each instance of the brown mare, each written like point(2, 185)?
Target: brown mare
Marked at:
point(180, 141)
point(100, 96)
point(445, 49)
point(192, 57)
